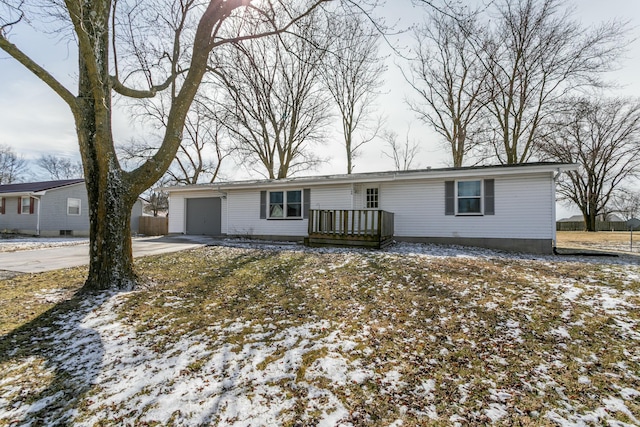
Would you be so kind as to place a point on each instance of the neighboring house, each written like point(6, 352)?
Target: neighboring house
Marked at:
point(609, 222)
point(510, 207)
point(600, 218)
point(50, 208)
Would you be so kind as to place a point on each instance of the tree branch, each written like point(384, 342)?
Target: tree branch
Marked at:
point(39, 72)
point(136, 93)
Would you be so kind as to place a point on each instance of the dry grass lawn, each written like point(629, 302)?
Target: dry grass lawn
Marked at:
point(412, 336)
point(617, 241)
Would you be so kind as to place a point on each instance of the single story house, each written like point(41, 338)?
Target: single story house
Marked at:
point(508, 207)
point(49, 208)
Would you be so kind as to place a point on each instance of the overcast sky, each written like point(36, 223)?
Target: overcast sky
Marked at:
point(34, 121)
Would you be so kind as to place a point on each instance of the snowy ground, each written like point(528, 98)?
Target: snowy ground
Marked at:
point(20, 243)
point(264, 335)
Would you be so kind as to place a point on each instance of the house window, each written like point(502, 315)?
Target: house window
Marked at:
point(2, 205)
point(372, 198)
point(469, 197)
point(73, 206)
point(285, 204)
point(25, 205)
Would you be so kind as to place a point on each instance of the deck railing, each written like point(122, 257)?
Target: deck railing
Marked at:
point(354, 224)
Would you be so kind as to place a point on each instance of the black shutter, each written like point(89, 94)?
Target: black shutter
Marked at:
point(489, 197)
point(449, 198)
point(263, 205)
point(306, 202)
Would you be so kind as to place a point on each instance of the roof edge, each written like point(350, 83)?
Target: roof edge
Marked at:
point(429, 173)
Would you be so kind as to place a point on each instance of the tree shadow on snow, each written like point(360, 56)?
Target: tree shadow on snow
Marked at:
point(49, 364)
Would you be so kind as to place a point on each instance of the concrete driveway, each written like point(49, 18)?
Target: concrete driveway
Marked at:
point(39, 260)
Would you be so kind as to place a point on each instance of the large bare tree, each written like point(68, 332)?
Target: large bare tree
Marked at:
point(626, 203)
point(173, 43)
point(57, 167)
point(276, 108)
point(202, 148)
point(403, 154)
point(449, 79)
point(352, 72)
point(603, 137)
point(537, 54)
point(12, 166)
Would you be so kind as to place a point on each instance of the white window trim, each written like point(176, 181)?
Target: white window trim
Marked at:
point(79, 206)
point(27, 206)
point(366, 199)
point(284, 204)
point(481, 213)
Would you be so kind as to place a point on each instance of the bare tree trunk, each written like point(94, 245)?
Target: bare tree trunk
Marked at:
point(110, 254)
point(110, 196)
point(590, 220)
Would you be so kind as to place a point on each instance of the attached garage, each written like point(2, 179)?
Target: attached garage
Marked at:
point(204, 216)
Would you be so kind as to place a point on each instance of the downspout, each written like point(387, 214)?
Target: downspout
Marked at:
point(353, 195)
point(37, 216)
point(225, 197)
point(554, 181)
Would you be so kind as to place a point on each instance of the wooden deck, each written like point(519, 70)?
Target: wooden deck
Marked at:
point(345, 227)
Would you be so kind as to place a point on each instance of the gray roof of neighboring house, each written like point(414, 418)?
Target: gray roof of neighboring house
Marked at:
point(580, 218)
point(34, 187)
point(575, 218)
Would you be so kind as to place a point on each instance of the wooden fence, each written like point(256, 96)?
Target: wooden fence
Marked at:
point(600, 226)
point(153, 225)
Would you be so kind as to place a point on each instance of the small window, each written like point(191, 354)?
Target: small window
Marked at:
point(372, 198)
point(25, 205)
point(285, 204)
point(73, 206)
point(2, 205)
point(469, 197)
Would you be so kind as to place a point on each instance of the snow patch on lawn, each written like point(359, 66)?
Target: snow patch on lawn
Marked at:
point(30, 243)
point(197, 381)
point(275, 372)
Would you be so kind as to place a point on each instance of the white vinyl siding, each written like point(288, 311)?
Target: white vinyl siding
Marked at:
point(244, 217)
point(331, 197)
point(244, 211)
point(524, 208)
point(54, 211)
point(14, 221)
